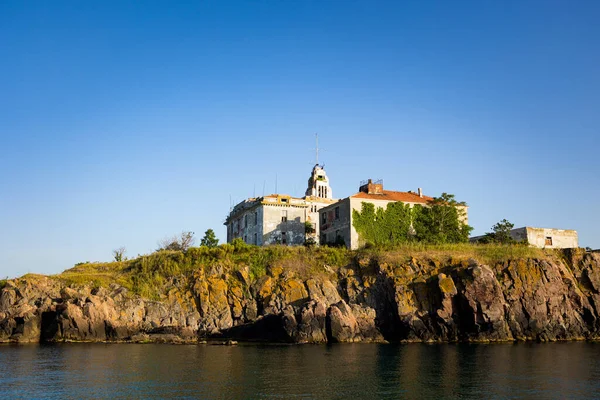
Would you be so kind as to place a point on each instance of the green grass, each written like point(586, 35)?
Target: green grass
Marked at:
point(149, 275)
point(152, 275)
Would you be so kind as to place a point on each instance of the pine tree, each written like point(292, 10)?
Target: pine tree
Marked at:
point(209, 239)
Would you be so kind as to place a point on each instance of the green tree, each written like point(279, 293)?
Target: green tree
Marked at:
point(501, 231)
point(209, 239)
point(442, 222)
point(309, 228)
point(309, 234)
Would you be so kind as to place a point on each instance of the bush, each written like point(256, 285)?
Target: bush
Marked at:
point(239, 245)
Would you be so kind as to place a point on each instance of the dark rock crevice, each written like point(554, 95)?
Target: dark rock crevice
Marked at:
point(49, 329)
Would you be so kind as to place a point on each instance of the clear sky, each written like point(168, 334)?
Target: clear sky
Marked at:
point(124, 122)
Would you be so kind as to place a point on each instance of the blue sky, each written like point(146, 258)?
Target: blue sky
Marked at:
point(124, 122)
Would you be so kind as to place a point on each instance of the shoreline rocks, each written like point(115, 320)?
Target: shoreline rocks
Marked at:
point(367, 301)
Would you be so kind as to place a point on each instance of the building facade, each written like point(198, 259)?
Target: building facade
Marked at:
point(546, 237)
point(280, 218)
point(273, 219)
point(543, 238)
point(336, 225)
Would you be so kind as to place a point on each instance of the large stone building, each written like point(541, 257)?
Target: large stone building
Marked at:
point(542, 237)
point(336, 220)
point(280, 218)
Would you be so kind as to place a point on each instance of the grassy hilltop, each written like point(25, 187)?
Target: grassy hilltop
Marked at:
point(150, 275)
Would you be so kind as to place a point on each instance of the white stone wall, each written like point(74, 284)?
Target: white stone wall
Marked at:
point(274, 227)
point(552, 238)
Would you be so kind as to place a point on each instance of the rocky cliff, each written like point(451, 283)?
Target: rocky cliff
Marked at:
point(370, 298)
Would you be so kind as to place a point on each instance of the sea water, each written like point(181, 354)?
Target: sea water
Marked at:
point(343, 371)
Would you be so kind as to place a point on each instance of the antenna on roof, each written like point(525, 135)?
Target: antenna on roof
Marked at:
point(317, 149)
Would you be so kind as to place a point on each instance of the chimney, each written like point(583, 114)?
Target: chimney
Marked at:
point(421, 192)
point(371, 188)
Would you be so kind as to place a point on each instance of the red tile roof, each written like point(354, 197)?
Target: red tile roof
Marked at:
point(405, 197)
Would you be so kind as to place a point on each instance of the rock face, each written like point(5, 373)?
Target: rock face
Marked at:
point(371, 300)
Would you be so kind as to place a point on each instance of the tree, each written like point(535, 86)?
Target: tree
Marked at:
point(501, 231)
point(209, 239)
point(442, 222)
point(309, 234)
point(119, 253)
point(180, 242)
point(309, 229)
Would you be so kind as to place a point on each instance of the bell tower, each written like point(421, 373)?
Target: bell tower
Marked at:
point(318, 184)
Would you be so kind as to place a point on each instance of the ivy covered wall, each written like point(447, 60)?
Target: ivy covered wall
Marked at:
point(440, 222)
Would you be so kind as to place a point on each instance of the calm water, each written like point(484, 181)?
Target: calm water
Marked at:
point(415, 371)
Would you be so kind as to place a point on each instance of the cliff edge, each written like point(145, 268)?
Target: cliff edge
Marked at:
point(435, 294)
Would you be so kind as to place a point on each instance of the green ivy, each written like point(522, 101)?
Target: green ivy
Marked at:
point(399, 223)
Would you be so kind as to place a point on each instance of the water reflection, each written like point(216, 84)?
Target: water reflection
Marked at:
point(501, 371)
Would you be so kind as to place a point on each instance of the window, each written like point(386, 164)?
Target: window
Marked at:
point(284, 200)
point(284, 216)
point(283, 238)
point(245, 221)
point(256, 218)
point(548, 240)
point(323, 218)
point(337, 213)
point(256, 238)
